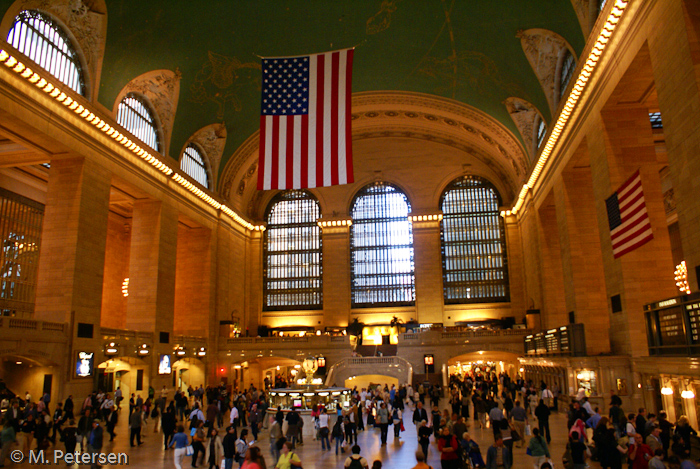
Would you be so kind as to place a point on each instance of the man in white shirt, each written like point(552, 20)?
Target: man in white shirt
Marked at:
point(106, 406)
point(234, 416)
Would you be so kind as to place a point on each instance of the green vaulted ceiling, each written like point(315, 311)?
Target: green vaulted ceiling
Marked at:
point(461, 49)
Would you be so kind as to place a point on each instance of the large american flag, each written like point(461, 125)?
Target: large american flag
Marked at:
point(305, 135)
point(627, 216)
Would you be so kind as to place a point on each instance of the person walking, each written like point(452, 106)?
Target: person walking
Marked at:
point(448, 446)
point(70, 436)
point(337, 435)
point(498, 456)
point(424, 433)
point(7, 438)
point(397, 421)
point(135, 427)
point(215, 450)
point(95, 442)
point(112, 419)
point(519, 418)
point(167, 424)
point(198, 441)
point(288, 459)
point(355, 460)
point(229, 446)
point(323, 429)
point(383, 419)
point(180, 441)
point(542, 413)
point(537, 448)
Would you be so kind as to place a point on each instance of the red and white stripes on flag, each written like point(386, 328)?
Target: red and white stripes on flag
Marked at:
point(305, 133)
point(628, 218)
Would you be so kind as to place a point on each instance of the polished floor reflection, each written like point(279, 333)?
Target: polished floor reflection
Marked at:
point(397, 453)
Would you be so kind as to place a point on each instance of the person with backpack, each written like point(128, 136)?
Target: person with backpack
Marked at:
point(241, 447)
point(397, 421)
point(355, 461)
point(337, 434)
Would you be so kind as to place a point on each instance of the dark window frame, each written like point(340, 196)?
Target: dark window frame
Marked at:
point(308, 294)
point(464, 253)
point(51, 48)
point(387, 280)
point(138, 121)
point(195, 165)
point(568, 65)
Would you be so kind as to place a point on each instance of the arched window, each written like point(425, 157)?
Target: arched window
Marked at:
point(381, 248)
point(38, 37)
point(194, 165)
point(292, 253)
point(541, 132)
point(135, 116)
point(568, 66)
point(474, 258)
point(600, 5)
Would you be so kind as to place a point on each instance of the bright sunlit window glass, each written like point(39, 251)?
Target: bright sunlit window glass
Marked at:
point(292, 253)
point(381, 247)
point(567, 71)
point(135, 116)
point(541, 131)
point(193, 164)
point(473, 243)
point(38, 37)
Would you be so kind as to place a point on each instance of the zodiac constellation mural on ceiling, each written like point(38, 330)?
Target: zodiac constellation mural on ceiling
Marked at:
point(220, 81)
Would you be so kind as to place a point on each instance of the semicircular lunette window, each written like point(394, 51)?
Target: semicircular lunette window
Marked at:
point(37, 36)
point(474, 257)
point(135, 116)
point(381, 248)
point(292, 253)
point(194, 165)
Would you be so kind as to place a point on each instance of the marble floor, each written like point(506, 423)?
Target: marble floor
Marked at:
point(396, 454)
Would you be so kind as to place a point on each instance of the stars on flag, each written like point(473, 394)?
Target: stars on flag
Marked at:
point(285, 86)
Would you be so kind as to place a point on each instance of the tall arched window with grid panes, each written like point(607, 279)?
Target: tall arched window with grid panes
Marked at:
point(292, 265)
point(136, 116)
point(195, 165)
point(40, 38)
point(474, 261)
point(381, 248)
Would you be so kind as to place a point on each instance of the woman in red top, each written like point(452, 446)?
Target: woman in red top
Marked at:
point(447, 445)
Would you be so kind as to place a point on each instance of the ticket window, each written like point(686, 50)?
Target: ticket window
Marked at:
point(588, 380)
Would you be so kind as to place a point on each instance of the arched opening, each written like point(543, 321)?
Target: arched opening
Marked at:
point(188, 372)
point(22, 374)
point(483, 364)
point(130, 374)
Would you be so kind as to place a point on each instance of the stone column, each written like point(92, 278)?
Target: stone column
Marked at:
point(427, 257)
point(74, 236)
point(583, 274)
point(554, 312)
point(514, 250)
point(674, 50)
point(152, 267)
point(72, 258)
point(336, 275)
point(645, 274)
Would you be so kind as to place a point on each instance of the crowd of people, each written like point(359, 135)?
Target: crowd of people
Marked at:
point(219, 428)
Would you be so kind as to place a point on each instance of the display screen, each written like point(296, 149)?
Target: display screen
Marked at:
point(84, 364)
point(671, 326)
point(164, 365)
point(296, 403)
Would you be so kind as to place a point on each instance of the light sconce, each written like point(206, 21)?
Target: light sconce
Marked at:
point(144, 350)
point(112, 348)
point(202, 352)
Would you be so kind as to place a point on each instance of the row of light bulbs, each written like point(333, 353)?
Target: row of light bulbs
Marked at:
point(578, 89)
point(111, 131)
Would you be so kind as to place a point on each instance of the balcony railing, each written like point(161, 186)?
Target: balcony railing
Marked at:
point(31, 324)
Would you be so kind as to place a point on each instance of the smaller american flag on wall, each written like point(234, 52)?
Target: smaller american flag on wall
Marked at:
point(628, 218)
